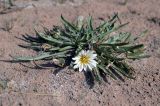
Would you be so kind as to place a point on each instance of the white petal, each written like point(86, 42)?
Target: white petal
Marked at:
point(90, 66)
point(76, 66)
point(85, 52)
point(93, 62)
point(76, 58)
point(77, 61)
point(81, 66)
point(82, 52)
point(80, 69)
point(85, 67)
point(94, 56)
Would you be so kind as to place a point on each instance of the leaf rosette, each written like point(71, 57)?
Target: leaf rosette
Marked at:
point(113, 48)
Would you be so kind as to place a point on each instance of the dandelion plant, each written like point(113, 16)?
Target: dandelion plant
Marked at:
point(102, 50)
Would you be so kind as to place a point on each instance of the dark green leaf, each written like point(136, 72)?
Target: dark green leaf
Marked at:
point(68, 25)
point(107, 71)
point(119, 70)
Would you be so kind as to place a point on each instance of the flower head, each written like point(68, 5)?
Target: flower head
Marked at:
point(85, 60)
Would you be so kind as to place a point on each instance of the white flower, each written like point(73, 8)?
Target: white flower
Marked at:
point(85, 60)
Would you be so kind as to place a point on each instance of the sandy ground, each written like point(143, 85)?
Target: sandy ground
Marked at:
point(25, 86)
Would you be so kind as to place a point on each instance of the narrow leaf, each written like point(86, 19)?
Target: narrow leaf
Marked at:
point(69, 25)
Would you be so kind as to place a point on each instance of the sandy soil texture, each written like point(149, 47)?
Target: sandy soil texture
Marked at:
point(23, 86)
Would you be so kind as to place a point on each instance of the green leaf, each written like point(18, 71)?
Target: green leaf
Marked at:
point(80, 22)
point(130, 47)
point(114, 17)
point(31, 47)
point(38, 57)
point(141, 35)
point(41, 56)
point(103, 35)
point(113, 58)
point(138, 56)
point(50, 39)
point(53, 40)
point(119, 70)
point(68, 25)
point(113, 44)
point(65, 48)
point(83, 38)
point(54, 48)
point(90, 23)
point(65, 38)
point(107, 71)
point(120, 38)
point(97, 74)
point(102, 26)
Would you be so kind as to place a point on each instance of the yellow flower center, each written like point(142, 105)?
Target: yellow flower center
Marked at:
point(84, 59)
